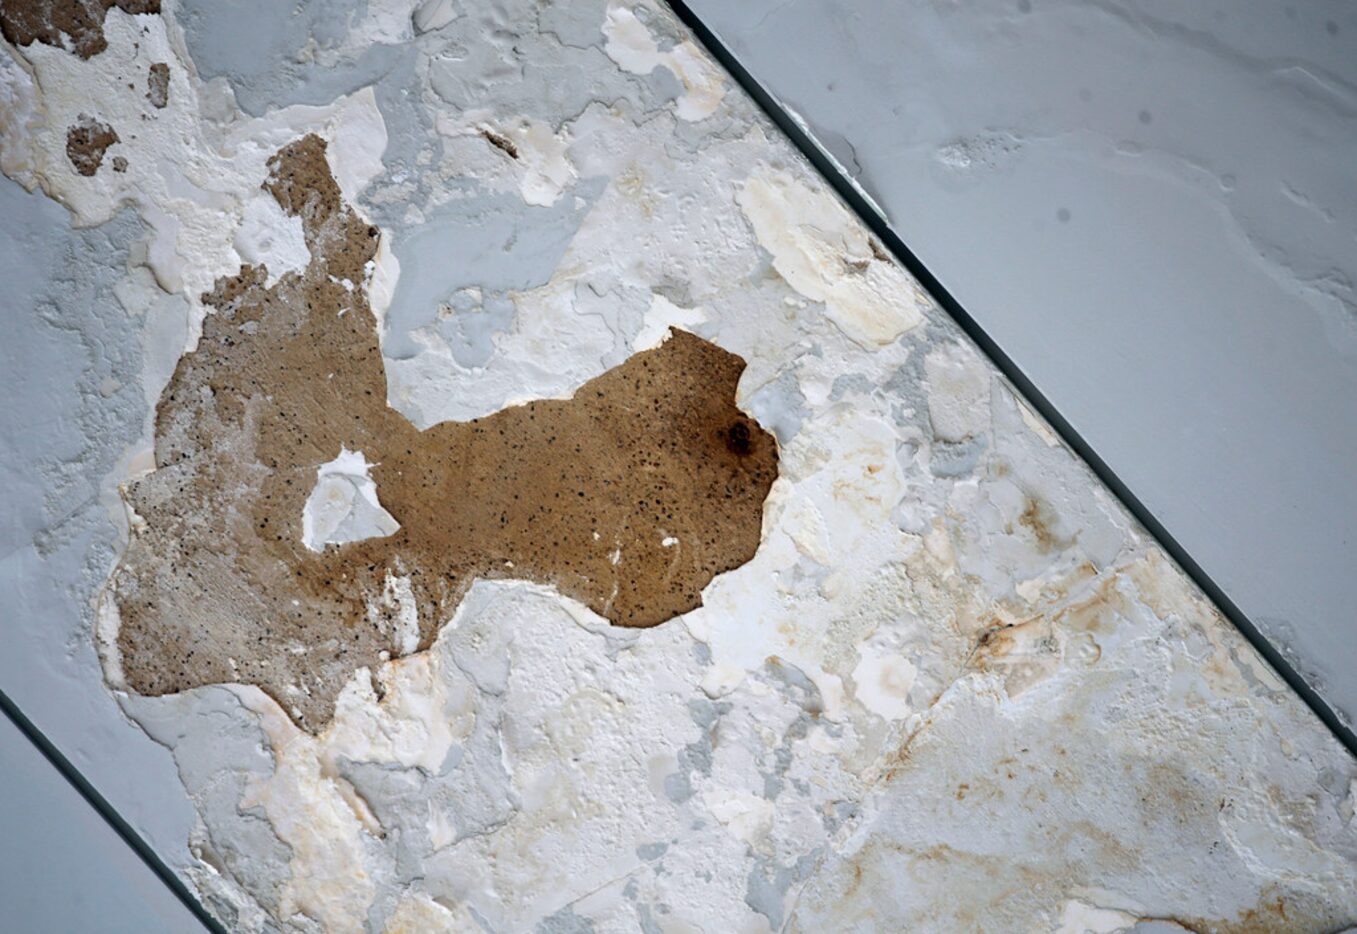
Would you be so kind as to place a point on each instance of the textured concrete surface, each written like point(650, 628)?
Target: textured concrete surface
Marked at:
point(955, 688)
point(1151, 207)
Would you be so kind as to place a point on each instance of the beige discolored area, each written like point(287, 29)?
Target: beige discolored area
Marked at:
point(86, 142)
point(74, 24)
point(629, 497)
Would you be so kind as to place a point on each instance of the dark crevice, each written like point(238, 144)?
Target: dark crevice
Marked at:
point(105, 810)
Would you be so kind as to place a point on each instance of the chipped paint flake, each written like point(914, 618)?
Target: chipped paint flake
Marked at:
point(827, 256)
point(343, 506)
point(633, 48)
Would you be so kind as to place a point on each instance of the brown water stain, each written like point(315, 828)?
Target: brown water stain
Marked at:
point(630, 497)
point(86, 142)
point(1040, 520)
point(158, 85)
point(74, 24)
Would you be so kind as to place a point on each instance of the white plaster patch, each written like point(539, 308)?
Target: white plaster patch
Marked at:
point(107, 622)
point(311, 814)
point(747, 816)
point(958, 392)
point(269, 237)
point(547, 171)
point(660, 317)
point(884, 680)
point(543, 162)
point(633, 48)
point(419, 914)
point(191, 180)
point(423, 712)
point(434, 14)
point(825, 254)
point(1036, 423)
point(839, 480)
point(398, 595)
point(343, 505)
point(382, 273)
point(356, 133)
point(1081, 918)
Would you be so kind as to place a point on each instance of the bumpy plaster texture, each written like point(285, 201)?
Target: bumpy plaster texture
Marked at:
point(945, 685)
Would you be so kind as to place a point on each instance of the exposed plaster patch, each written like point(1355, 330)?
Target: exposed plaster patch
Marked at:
point(546, 168)
point(1081, 918)
point(189, 177)
point(434, 14)
point(748, 817)
point(20, 118)
point(1037, 424)
point(217, 581)
point(883, 681)
point(318, 818)
point(419, 914)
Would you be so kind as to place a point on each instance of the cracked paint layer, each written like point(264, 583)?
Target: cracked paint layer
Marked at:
point(630, 497)
point(953, 686)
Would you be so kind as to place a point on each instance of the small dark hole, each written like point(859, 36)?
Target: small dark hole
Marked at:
point(737, 439)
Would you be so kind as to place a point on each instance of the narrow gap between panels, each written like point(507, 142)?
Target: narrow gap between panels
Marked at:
point(110, 815)
point(834, 174)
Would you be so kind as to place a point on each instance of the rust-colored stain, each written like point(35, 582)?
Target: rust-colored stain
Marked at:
point(158, 85)
point(74, 24)
point(86, 142)
point(1038, 518)
point(630, 497)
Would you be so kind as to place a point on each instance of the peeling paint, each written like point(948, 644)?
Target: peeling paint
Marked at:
point(827, 256)
point(924, 673)
point(577, 494)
